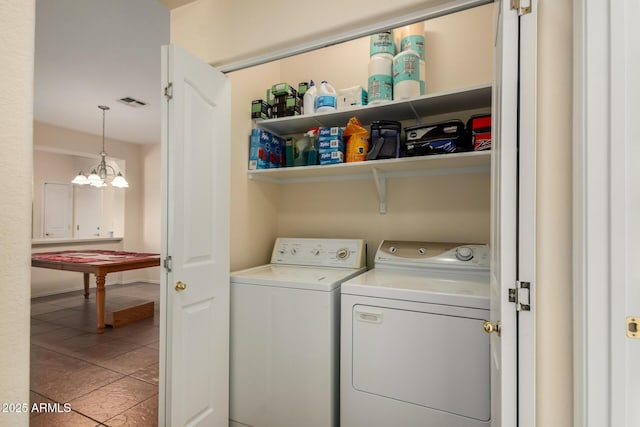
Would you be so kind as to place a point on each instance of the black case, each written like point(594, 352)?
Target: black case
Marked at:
point(385, 140)
point(435, 138)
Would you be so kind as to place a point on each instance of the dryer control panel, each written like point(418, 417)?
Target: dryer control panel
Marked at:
point(432, 255)
point(346, 253)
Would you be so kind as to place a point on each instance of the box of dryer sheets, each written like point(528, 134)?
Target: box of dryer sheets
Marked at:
point(289, 151)
point(260, 149)
point(351, 96)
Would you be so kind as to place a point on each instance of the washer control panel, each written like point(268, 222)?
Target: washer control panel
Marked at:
point(432, 255)
point(347, 253)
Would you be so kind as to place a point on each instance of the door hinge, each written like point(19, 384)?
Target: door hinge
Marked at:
point(521, 296)
point(168, 91)
point(523, 7)
point(167, 264)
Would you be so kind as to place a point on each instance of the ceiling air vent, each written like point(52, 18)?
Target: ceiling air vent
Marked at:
point(132, 102)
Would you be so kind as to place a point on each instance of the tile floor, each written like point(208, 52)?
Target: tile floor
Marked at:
point(108, 379)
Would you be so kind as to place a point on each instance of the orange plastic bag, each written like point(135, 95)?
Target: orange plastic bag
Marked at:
point(357, 139)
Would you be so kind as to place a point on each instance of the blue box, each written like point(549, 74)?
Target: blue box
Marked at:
point(330, 133)
point(277, 154)
point(330, 145)
point(331, 157)
point(259, 149)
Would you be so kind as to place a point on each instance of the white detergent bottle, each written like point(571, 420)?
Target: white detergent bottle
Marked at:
point(326, 99)
point(309, 100)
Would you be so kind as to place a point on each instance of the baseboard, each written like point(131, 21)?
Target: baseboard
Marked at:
point(126, 282)
point(92, 286)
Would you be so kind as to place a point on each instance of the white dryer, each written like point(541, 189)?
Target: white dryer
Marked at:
point(285, 334)
point(413, 349)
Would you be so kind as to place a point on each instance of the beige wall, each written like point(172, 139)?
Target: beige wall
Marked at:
point(140, 198)
point(17, 23)
point(254, 205)
point(223, 32)
point(151, 199)
point(204, 28)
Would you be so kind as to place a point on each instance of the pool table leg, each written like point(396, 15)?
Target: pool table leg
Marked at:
point(100, 280)
point(86, 285)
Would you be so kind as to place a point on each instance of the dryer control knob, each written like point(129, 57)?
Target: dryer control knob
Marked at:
point(393, 249)
point(316, 252)
point(342, 253)
point(464, 253)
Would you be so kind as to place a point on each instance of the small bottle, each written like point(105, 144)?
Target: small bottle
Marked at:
point(312, 157)
point(326, 99)
point(309, 100)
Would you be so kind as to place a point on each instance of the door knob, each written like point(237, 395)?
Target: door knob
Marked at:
point(180, 286)
point(492, 327)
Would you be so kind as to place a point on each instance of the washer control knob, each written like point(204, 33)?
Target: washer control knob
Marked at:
point(294, 251)
point(281, 251)
point(464, 253)
point(342, 253)
point(315, 252)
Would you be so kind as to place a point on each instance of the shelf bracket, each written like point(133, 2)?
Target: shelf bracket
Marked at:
point(381, 185)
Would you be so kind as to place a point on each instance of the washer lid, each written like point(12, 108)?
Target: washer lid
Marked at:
point(299, 277)
point(462, 290)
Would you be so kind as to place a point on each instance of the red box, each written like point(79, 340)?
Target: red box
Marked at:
point(479, 128)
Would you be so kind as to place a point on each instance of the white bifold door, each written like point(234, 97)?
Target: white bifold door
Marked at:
point(194, 347)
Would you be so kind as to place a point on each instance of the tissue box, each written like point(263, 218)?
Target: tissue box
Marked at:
point(351, 96)
point(260, 149)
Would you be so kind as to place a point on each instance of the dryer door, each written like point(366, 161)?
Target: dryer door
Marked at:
point(429, 355)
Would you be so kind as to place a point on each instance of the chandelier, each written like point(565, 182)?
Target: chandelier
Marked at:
point(100, 173)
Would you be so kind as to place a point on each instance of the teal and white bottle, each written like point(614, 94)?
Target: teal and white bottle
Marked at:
point(326, 99)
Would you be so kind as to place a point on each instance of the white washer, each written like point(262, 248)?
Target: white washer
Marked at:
point(285, 334)
point(413, 349)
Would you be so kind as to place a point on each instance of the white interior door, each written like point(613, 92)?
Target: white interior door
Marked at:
point(503, 218)
point(625, 205)
point(88, 211)
point(56, 202)
point(194, 378)
point(606, 224)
